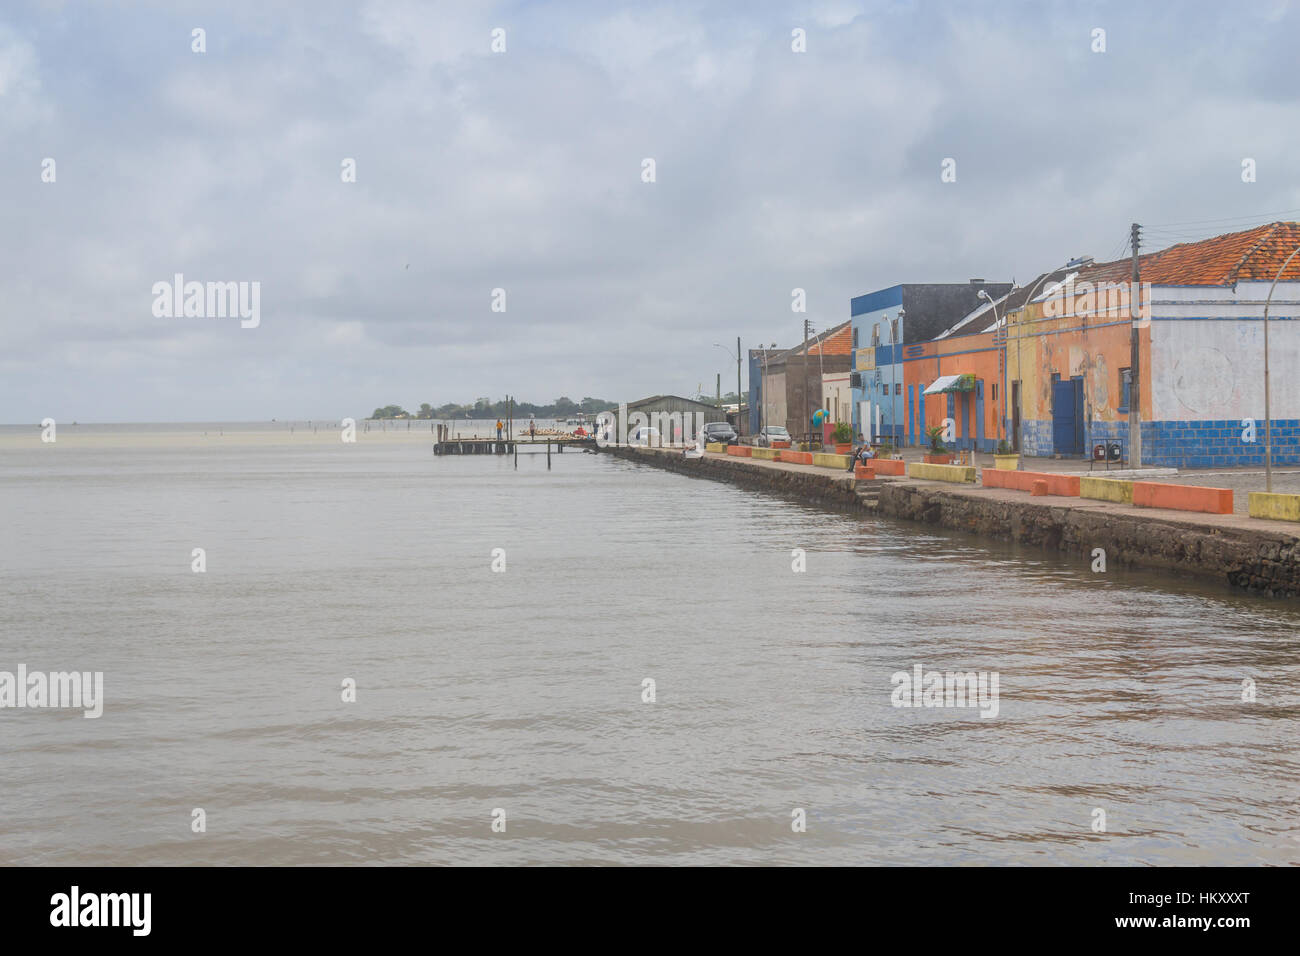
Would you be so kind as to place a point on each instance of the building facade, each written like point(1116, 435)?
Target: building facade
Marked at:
point(1201, 354)
point(889, 328)
point(676, 418)
point(786, 385)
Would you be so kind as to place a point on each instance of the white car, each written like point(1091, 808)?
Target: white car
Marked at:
point(644, 436)
point(772, 433)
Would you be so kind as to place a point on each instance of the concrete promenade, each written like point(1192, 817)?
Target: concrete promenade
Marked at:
point(1253, 554)
point(1241, 481)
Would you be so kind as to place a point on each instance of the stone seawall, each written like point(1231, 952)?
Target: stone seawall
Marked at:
point(1260, 560)
point(809, 487)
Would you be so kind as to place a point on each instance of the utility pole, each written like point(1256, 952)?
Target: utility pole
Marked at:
point(807, 408)
point(719, 391)
point(740, 430)
point(1135, 358)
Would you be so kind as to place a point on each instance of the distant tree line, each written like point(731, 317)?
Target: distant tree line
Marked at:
point(562, 407)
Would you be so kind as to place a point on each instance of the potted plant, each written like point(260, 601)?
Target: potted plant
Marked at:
point(1005, 458)
point(843, 436)
point(938, 453)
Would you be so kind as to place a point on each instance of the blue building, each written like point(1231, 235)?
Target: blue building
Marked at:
point(885, 324)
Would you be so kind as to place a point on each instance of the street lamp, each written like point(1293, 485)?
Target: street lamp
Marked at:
point(1268, 421)
point(1002, 419)
point(762, 409)
point(1020, 368)
point(893, 379)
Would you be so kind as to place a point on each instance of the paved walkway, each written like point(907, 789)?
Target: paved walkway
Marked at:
point(1249, 479)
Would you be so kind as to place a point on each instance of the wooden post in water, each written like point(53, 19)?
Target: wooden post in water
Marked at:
point(548, 454)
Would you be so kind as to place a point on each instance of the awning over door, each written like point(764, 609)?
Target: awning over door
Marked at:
point(951, 383)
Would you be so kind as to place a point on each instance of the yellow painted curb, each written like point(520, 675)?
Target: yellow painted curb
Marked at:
point(958, 474)
point(827, 460)
point(1106, 489)
point(716, 446)
point(768, 453)
point(1275, 506)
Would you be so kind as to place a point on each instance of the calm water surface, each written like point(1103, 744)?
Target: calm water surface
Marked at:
point(522, 690)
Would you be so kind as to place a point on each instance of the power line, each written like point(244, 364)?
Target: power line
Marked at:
point(1259, 220)
point(1120, 249)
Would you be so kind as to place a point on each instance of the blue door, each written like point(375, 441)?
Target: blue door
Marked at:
point(911, 414)
point(1067, 417)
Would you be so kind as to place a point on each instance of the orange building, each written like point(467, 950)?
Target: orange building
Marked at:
point(958, 376)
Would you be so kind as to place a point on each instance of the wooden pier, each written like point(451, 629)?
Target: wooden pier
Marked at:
point(510, 446)
point(474, 446)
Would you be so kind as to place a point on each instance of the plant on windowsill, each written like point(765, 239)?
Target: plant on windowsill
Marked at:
point(938, 454)
point(1005, 458)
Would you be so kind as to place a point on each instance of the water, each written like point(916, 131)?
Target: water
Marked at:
point(522, 690)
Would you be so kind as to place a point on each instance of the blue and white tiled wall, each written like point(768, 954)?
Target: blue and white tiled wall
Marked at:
point(1185, 444)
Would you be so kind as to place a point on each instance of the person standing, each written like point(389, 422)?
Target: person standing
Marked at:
point(500, 426)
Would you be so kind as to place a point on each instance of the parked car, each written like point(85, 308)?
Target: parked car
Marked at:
point(720, 431)
point(644, 436)
point(772, 433)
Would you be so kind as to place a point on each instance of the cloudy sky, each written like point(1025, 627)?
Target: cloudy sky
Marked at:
point(523, 170)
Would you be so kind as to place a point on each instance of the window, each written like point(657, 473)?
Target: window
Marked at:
point(855, 336)
point(898, 388)
point(1125, 383)
point(875, 334)
point(884, 388)
point(995, 391)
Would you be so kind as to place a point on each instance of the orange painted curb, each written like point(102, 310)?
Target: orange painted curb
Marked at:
point(889, 466)
point(797, 457)
point(1154, 494)
point(1066, 486)
point(740, 451)
point(1039, 487)
point(863, 471)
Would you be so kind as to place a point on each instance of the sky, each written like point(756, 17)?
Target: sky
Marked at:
point(523, 169)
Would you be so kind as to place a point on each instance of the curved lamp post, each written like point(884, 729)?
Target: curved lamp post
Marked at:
point(1002, 419)
point(1020, 368)
point(1268, 421)
point(894, 363)
point(762, 411)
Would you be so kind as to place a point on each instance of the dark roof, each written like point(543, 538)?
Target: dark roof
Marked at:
point(676, 398)
point(983, 319)
point(934, 308)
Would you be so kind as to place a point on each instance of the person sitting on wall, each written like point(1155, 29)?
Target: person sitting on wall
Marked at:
point(862, 452)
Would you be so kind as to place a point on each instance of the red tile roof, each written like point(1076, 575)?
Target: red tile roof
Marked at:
point(1255, 254)
point(838, 341)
